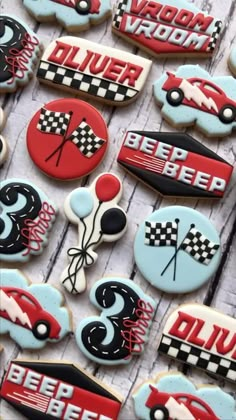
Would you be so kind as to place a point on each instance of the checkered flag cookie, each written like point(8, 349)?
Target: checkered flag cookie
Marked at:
point(85, 139)
point(161, 234)
point(53, 122)
point(199, 247)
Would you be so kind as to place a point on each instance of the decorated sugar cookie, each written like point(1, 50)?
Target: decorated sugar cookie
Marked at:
point(191, 96)
point(46, 390)
point(232, 61)
point(173, 396)
point(99, 219)
point(202, 337)
point(74, 15)
point(174, 164)
point(31, 314)
point(167, 27)
point(25, 221)
point(67, 138)
point(3, 144)
point(122, 329)
point(93, 70)
point(19, 51)
point(172, 243)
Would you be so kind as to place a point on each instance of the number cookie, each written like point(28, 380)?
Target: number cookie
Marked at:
point(173, 396)
point(19, 53)
point(3, 144)
point(232, 61)
point(122, 329)
point(31, 314)
point(99, 219)
point(26, 218)
point(191, 96)
point(67, 139)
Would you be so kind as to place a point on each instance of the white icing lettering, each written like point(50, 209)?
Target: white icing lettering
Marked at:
point(201, 180)
point(32, 380)
point(55, 408)
point(178, 37)
point(64, 391)
point(72, 412)
point(146, 28)
point(163, 150)
point(170, 169)
point(186, 175)
point(48, 386)
point(148, 145)
point(178, 154)
point(217, 184)
point(16, 374)
point(132, 140)
point(89, 415)
point(162, 32)
point(195, 39)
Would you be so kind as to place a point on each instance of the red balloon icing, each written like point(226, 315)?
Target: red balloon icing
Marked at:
point(107, 187)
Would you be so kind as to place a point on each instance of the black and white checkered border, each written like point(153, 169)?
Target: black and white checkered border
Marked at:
point(76, 80)
point(215, 36)
point(120, 10)
point(194, 356)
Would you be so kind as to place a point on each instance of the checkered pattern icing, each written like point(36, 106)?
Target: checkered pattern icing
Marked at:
point(196, 357)
point(85, 139)
point(199, 247)
point(215, 36)
point(120, 10)
point(161, 234)
point(88, 84)
point(53, 122)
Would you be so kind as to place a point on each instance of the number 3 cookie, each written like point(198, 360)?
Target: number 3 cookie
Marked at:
point(26, 218)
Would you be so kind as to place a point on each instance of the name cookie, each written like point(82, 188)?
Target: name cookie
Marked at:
point(122, 329)
point(173, 396)
point(192, 96)
point(67, 139)
point(50, 389)
point(19, 53)
point(174, 164)
point(26, 219)
point(202, 337)
point(165, 28)
point(232, 61)
point(3, 144)
point(32, 314)
point(99, 219)
point(173, 242)
point(93, 70)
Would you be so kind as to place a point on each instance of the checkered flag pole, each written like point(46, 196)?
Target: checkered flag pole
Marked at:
point(86, 140)
point(199, 247)
point(53, 122)
point(161, 234)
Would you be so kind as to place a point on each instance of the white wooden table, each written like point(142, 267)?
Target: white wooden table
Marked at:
point(138, 200)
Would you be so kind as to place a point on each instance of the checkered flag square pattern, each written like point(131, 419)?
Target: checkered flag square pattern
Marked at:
point(120, 10)
point(215, 36)
point(199, 247)
point(161, 234)
point(85, 140)
point(53, 122)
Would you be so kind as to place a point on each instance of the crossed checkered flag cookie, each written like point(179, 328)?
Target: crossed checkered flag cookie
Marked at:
point(86, 140)
point(53, 122)
point(199, 247)
point(161, 234)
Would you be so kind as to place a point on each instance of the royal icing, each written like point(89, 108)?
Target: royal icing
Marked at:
point(31, 314)
point(202, 337)
point(93, 70)
point(19, 52)
point(173, 242)
point(232, 61)
point(99, 219)
point(46, 390)
point(191, 96)
point(74, 15)
point(174, 164)
point(67, 138)
point(167, 27)
point(173, 395)
point(3, 144)
point(122, 329)
point(25, 221)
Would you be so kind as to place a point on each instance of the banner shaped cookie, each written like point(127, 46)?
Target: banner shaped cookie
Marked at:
point(122, 329)
point(191, 96)
point(50, 389)
point(173, 396)
point(202, 337)
point(3, 143)
point(31, 314)
point(174, 164)
point(93, 70)
point(167, 27)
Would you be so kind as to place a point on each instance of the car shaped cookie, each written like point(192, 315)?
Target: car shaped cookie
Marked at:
point(82, 7)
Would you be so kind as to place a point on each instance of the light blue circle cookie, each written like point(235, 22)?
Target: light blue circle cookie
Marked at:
point(177, 249)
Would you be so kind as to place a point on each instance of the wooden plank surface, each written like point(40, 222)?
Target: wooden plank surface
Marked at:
point(138, 200)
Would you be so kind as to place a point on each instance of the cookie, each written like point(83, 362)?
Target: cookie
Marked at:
point(167, 28)
point(3, 143)
point(74, 15)
point(99, 219)
point(32, 314)
point(25, 221)
point(67, 139)
point(191, 96)
point(93, 70)
point(45, 390)
point(174, 164)
point(20, 49)
point(202, 337)
point(232, 61)
point(122, 329)
point(173, 242)
point(173, 396)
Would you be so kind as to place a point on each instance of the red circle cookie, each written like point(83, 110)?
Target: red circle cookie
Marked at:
point(67, 139)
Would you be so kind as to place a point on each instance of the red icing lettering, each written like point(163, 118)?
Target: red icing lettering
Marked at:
point(221, 346)
point(114, 68)
point(86, 60)
point(69, 60)
point(150, 9)
point(210, 343)
point(182, 326)
point(132, 73)
point(184, 17)
point(193, 337)
point(168, 13)
point(95, 67)
point(201, 21)
point(60, 52)
point(136, 6)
